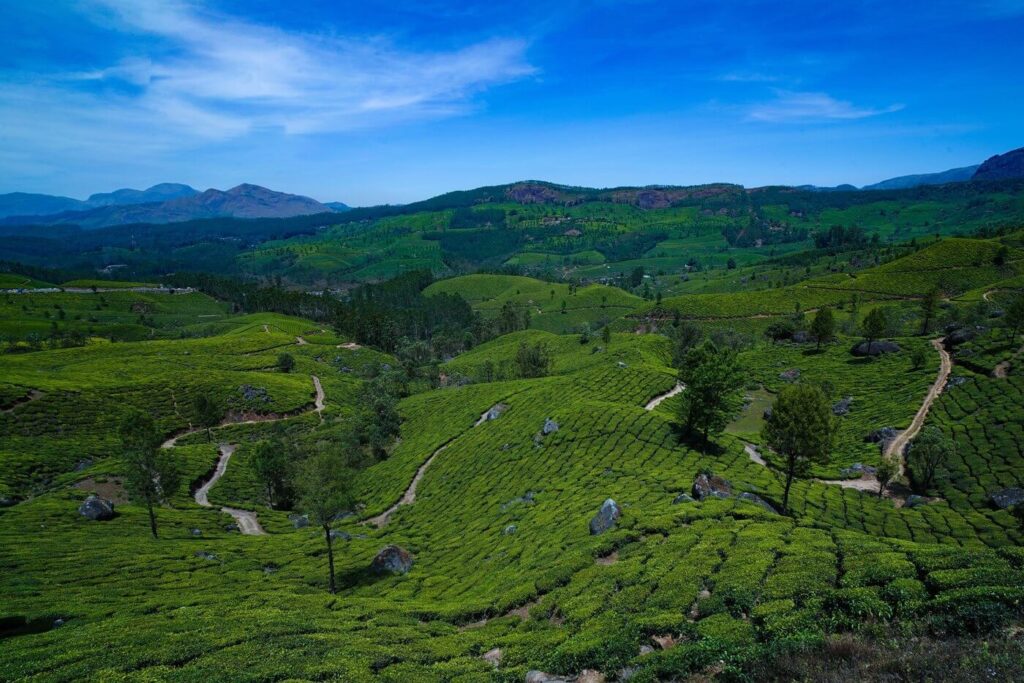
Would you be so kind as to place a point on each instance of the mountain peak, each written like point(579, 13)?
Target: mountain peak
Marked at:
point(1002, 166)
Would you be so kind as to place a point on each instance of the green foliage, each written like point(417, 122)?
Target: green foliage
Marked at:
point(928, 457)
point(152, 477)
point(285, 362)
point(823, 326)
point(532, 360)
point(801, 429)
point(713, 381)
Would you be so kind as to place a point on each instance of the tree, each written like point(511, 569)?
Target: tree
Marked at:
point(929, 453)
point(208, 413)
point(271, 463)
point(532, 360)
point(324, 489)
point(152, 475)
point(1014, 317)
point(918, 357)
point(606, 335)
point(712, 396)
point(285, 362)
point(929, 307)
point(885, 472)
point(875, 325)
point(801, 428)
point(688, 335)
point(823, 327)
point(730, 264)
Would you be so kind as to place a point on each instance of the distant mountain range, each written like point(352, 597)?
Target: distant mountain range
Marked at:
point(953, 175)
point(163, 203)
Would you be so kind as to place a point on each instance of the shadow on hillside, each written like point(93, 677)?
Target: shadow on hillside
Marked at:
point(357, 578)
point(12, 626)
point(696, 442)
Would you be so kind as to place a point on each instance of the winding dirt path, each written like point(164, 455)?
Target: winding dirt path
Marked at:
point(246, 519)
point(300, 341)
point(754, 456)
point(895, 447)
point(409, 497)
point(657, 400)
point(318, 404)
point(32, 395)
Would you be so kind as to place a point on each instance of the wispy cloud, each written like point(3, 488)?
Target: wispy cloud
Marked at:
point(216, 76)
point(790, 106)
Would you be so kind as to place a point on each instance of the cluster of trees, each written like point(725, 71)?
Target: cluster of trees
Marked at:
point(762, 231)
point(837, 237)
point(630, 245)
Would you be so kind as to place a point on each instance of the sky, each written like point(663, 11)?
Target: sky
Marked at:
point(376, 102)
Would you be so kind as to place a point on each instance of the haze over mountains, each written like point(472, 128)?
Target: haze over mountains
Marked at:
point(175, 202)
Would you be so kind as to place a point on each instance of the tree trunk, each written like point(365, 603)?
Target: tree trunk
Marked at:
point(790, 471)
point(152, 520)
point(330, 560)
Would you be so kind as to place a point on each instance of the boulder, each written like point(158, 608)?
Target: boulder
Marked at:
point(767, 414)
point(801, 337)
point(493, 657)
point(791, 375)
point(683, 498)
point(337, 534)
point(955, 381)
point(392, 560)
point(232, 527)
point(544, 677)
point(1007, 497)
point(605, 518)
point(856, 470)
point(757, 500)
point(622, 364)
point(876, 348)
point(495, 412)
point(842, 407)
point(298, 521)
point(549, 427)
point(960, 335)
point(6, 502)
point(509, 530)
point(203, 555)
point(96, 509)
point(711, 486)
point(914, 501)
point(196, 532)
point(883, 435)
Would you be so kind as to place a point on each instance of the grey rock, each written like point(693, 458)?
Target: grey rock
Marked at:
point(1007, 497)
point(392, 560)
point(340, 535)
point(683, 498)
point(550, 426)
point(509, 530)
point(196, 532)
point(492, 656)
point(757, 500)
point(767, 414)
point(525, 499)
point(876, 348)
point(58, 622)
point(232, 527)
point(96, 509)
point(914, 501)
point(298, 521)
point(801, 337)
point(882, 435)
point(622, 364)
point(791, 375)
point(960, 336)
point(495, 412)
point(83, 464)
point(605, 518)
point(842, 407)
point(543, 677)
point(705, 486)
point(6, 502)
point(956, 381)
point(203, 555)
point(254, 394)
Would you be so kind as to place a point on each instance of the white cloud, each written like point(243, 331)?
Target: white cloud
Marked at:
point(213, 76)
point(789, 106)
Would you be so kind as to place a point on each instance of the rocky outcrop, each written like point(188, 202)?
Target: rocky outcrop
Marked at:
point(392, 560)
point(1007, 498)
point(791, 375)
point(298, 521)
point(876, 348)
point(842, 407)
point(585, 676)
point(757, 500)
point(1002, 166)
point(605, 518)
point(683, 498)
point(711, 486)
point(550, 427)
point(96, 509)
point(883, 435)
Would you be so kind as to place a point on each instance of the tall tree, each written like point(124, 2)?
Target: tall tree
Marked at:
point(324, 486)
point(928, 456)
point(929, 307)
point(207, 412)
point(801, 428)
point(875, 324)
point(1014, 318)
point(271, 463)
point(285, 362)
point(885, 472)
point(713, 389)
point(687, 335)
point(533, 360)
point(152, 476)
point(823, 327)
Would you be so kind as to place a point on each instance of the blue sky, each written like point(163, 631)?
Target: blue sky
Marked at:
point(373, 102)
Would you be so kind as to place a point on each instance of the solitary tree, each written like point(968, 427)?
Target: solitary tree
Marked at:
point(929, 453)
point(801, 428)
point(532, 360)
point(207, 412)
point(285, 362)
point(324, 488)
point(918, 357)
point(688, 335)
point(152, 476)
point(874, 326)
point(606, 335)
point(885, 472)
point(1015, 316)
point(823, 327)
point(271, 462)
point(929, 306)
point(713, 384)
